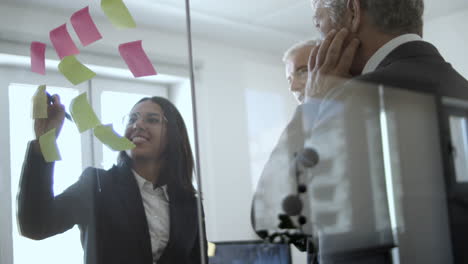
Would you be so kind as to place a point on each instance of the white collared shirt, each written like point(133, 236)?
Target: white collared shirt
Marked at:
point(383, 52)
point(156, 204)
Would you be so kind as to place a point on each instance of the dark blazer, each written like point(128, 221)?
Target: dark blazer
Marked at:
point(418, 66)
point(108, 208)
point(415, 66)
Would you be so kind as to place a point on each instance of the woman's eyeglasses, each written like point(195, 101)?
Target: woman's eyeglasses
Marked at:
point(150, 119)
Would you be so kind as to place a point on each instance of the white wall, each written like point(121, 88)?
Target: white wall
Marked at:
point(449, 35)
point(226, 76)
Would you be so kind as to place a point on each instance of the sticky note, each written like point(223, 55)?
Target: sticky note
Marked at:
point(118, 13)
point(85, 27)
point(74, 71)
point(48, 145)
point(107, 135)
point(211, 249)
point(62, 42)
point(83, 113)
point(38, 57)
point(136, 59)
point(39, 101)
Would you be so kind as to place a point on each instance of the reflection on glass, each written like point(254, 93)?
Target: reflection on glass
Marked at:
point(257, 252)
point(167, 51)
point(265, 110)
point(459, 136)
point(342, 204)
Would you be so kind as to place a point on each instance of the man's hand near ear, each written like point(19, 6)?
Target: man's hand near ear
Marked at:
point(330, 63)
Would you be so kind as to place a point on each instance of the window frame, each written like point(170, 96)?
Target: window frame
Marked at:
point(14, 70)
point(18, 66)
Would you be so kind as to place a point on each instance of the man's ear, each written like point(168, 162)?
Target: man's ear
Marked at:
point(354, 7)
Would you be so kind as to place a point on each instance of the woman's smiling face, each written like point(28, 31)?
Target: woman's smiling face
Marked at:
point(146, 128)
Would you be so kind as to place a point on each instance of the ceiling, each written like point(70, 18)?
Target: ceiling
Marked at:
point(270, 25)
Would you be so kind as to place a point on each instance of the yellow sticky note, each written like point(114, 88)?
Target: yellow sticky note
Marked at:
point(49, 147)
point(118, 13)
point(39, 101)
point(74, 70)
point(107, 135)
point(83, 114)
point(211, 249)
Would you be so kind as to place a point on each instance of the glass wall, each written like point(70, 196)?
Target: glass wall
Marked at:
point(50, 213)
point(378, 173)
point(246, 168)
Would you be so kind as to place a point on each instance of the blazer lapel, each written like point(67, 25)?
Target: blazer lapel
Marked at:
point(183, 226)
point(130, 198)
point(182, 217)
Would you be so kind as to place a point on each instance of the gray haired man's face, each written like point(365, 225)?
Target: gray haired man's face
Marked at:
point(296, 72)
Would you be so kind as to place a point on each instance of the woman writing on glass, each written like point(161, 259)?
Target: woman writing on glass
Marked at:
point(143, 210)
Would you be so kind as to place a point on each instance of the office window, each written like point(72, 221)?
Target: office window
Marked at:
point(111, 98)
point(65, 246)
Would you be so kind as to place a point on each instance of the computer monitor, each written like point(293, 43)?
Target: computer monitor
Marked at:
point(251, 252)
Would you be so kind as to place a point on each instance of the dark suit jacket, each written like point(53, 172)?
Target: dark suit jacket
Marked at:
point(419, 67)
point(415, 66)
point(108, 208)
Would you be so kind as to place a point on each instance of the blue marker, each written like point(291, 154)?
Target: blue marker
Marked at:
point(50, 99)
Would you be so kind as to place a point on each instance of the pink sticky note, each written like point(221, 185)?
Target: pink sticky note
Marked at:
point(136, 59)
point(62, 42)
point(84, 27)
point(38, 57)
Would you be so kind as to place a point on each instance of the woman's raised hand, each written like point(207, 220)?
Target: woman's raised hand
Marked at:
point(55, 119)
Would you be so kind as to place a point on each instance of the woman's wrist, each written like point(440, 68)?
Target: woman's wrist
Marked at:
point(36, 147)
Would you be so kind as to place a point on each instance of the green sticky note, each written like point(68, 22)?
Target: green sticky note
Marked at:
point(48, 145)
point(117, 13)
point(83, 113)
point(74, 70)
point(107, 135)
point(39, 101)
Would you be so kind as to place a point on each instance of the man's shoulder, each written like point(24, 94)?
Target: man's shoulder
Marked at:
point(417, 66)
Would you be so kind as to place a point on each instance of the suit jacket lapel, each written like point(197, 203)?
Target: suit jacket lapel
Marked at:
point(130, 198)
point(183, 226)
point(182, 217)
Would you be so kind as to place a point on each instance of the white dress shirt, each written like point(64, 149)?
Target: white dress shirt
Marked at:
point(156, 204)
point(383, 52)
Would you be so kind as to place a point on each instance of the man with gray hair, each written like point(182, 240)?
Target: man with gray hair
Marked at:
point(380, 42)
point(296, 61)
point(383, 44)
